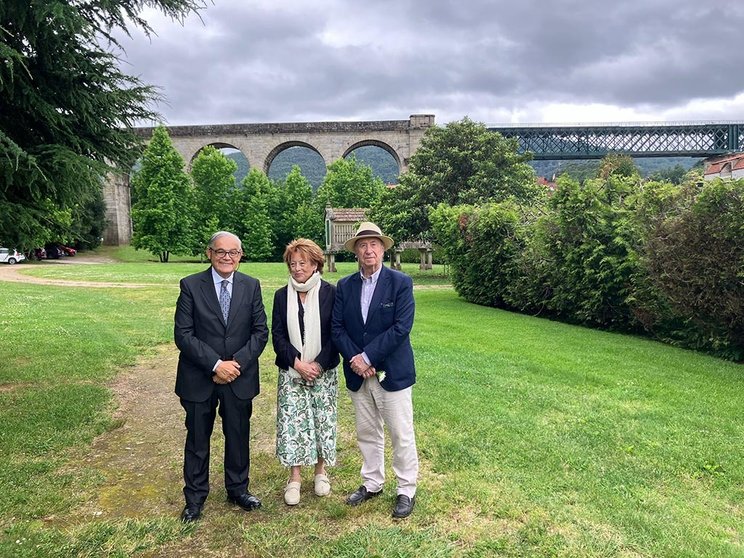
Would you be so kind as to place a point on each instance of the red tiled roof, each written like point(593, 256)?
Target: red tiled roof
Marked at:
point(716, 166)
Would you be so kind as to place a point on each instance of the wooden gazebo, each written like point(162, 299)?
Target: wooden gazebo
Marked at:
point(340, 225)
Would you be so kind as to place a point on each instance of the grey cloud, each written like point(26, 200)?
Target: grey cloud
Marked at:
point(328, 59)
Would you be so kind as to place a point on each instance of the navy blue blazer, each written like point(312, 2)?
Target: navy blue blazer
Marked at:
point(285, 351)
point(203, 337)
point(385, 337)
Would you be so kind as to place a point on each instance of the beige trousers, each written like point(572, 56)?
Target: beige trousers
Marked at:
point(375, 408)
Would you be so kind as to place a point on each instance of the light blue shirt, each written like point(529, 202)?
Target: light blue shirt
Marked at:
point(217, 278)
point(368, 291)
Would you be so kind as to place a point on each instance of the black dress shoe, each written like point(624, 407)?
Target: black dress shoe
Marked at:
point(246, 500)
point(360, 495)
point(403, 506)
point(190, 513)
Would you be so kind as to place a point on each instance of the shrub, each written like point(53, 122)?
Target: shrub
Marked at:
point(695, 256)
point(612, 253)
point(482, 245)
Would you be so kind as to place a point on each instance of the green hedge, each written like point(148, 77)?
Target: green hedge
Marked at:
point(614, 253)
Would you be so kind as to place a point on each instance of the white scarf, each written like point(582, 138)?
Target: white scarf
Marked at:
point(312, 345)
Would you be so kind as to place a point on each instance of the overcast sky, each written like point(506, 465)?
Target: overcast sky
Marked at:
point(500, 61)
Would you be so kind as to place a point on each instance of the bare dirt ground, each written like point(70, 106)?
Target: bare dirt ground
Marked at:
point(140, 460)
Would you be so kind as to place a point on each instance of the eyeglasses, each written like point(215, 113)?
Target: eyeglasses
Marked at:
point(220, 253)
point(293, 265)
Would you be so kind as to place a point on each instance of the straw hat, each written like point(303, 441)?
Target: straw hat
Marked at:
point(368, 230)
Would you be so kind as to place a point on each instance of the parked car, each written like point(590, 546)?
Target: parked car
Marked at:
point(11, 256)
point(53, 252)
point(68, 251)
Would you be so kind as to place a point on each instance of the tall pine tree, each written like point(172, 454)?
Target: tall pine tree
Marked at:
point(66, 108)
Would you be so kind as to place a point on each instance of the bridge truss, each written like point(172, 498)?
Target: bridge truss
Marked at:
point(636, 140)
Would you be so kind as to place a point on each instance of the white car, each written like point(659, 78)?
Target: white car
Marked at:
point(10, 256)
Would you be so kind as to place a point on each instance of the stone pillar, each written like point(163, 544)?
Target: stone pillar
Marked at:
point(396, 260)
point(422, 264)
point(429, 258)
point(118, 200)
point(330, 262)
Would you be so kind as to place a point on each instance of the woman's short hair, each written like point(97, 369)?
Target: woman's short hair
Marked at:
point(307, 248)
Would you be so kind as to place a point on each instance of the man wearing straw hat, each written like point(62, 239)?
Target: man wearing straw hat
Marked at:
point(372, 321)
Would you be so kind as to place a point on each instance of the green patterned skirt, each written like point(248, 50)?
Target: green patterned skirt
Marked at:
point(306, 420)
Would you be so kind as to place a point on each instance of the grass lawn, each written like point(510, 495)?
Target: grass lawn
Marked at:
point(536, 438)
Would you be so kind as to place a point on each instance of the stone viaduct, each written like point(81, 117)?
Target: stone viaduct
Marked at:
point(261, 143)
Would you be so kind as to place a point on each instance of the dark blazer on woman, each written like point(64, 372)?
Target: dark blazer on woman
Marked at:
point(285, 351)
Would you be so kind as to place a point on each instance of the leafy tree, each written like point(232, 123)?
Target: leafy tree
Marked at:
point(482, 244)
point(300, 216)
point(673, 175)
point(162, 215)
point(213, 176)
point(590, 241)
point(66, 108)
point(349, 183)
point(251, 206)
point(618, 165)
point(461, 163)
point(88, 221)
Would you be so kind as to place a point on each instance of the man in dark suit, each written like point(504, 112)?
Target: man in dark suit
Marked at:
point(220, 329)
point(372, 321)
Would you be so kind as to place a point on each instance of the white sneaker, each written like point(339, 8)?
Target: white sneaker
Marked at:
point(292, 493)
point(322, 485)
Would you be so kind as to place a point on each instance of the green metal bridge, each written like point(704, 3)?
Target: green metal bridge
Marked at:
point(637, 140)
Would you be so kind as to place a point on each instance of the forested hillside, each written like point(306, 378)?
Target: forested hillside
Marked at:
point(311, 164)
point(587, 168)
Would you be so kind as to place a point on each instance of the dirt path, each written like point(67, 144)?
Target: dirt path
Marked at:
point(140, 459)
point(14, 273)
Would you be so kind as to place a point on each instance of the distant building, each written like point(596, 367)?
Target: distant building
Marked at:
point(728, 166)
point(549, 184)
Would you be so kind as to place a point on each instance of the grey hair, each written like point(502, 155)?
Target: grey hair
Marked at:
point(220, 234)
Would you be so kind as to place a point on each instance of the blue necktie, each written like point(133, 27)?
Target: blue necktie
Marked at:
point(225, 300)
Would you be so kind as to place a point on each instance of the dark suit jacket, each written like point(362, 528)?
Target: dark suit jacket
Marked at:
point(202, 336)
point(385, 335)
point(285, 351)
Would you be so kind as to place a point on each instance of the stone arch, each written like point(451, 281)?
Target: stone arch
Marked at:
point(283, 147)
point(375, 143)
point(216, 145)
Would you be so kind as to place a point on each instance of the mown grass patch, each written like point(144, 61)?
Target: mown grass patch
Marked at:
point(272, 275)
point(536, 439)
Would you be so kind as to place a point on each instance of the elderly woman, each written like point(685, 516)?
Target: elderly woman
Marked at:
point(307, 360)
